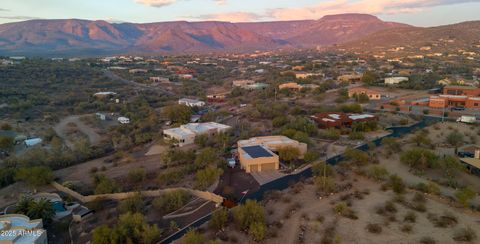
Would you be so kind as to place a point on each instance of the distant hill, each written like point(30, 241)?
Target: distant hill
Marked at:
point(441, 38)
point(74, 37)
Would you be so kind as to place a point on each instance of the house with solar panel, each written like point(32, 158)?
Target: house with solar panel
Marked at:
point(258, 154)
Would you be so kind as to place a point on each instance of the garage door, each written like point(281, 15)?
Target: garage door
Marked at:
point(254, 168)
point(270, 166)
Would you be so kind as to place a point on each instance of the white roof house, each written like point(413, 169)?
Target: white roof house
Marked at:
point(191, 102)
point(123, 120)
point(185, 134)
point(103, 94)
point(395, 80)
point(32, 142)
point(22, 229)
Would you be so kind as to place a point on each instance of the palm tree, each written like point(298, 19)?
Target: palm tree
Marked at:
point(23, 205)
point(41, 209)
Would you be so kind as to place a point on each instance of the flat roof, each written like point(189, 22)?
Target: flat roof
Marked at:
point(257, 151)
point(178, 131)
point(475, 162)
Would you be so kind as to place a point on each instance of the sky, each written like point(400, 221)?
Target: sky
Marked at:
point(414, 12)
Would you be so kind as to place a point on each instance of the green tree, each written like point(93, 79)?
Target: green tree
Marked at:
point(206, 177)
point(36, 209)
point(207, 156)
point(177, 113)
point(102, 235)
point(132, 228)
point(247, 214)
point(133, 204)
point(311, 156)
point(35, 176)
point(455, 139)
point(104, 185)
point(257, 230)
point(193, 237)
point(357, 157)
point(421, 138)
point(377, 172)
point(369, 77)
point(219, 219)
point(419, 159)
point(451, 166)
point(288, 153)
point(171, 201)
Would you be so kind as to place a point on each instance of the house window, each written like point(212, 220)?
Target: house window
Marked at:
point(475, 104)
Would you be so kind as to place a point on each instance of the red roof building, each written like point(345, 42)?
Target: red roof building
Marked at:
point(340, 120)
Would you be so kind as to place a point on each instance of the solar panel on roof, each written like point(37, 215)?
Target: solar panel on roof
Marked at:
point(257, 151)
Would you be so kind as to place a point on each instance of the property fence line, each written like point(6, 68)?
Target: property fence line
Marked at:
point(209, 196)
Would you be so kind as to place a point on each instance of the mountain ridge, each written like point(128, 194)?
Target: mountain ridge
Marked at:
point(99, 37)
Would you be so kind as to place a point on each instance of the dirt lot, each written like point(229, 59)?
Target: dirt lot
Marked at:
point(437, 135)
point(63, 126)
point(292, 210)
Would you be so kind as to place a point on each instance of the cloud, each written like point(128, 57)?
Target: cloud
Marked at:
point(3, 9)
point(19, 17)
point(163, 3)
point(362, 6)
point(156, 3)
point(231, 17)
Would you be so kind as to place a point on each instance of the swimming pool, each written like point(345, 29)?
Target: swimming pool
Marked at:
point(58, 206)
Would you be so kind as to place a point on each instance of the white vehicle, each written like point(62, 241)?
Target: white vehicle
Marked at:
point(467, 119)
point(124, 120)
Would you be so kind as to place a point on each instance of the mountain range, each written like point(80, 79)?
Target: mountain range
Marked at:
point(85, 37)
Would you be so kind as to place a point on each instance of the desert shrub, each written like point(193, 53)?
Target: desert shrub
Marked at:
point(410, 217)
point(397, 184)
point(377, 172)
point(465, 234)
point(406, 228)
point(219, 219)
point(247, 214)
point(465, 195)
point(443, 221)
point(427, 240)
point(133, 204)
point(419, 198)
point(430, 188)
point(390, 207)
point(206, 177)
point(374, 228)
point(257, 230)
point(321, 169)
point(357, 157)
point(137, 175)
point(343, 210)
point(325, 185)
point(419, 159)
point(171, 201)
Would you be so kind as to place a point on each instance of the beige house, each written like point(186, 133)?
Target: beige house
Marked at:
point(257, 154)
point(185, 134)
